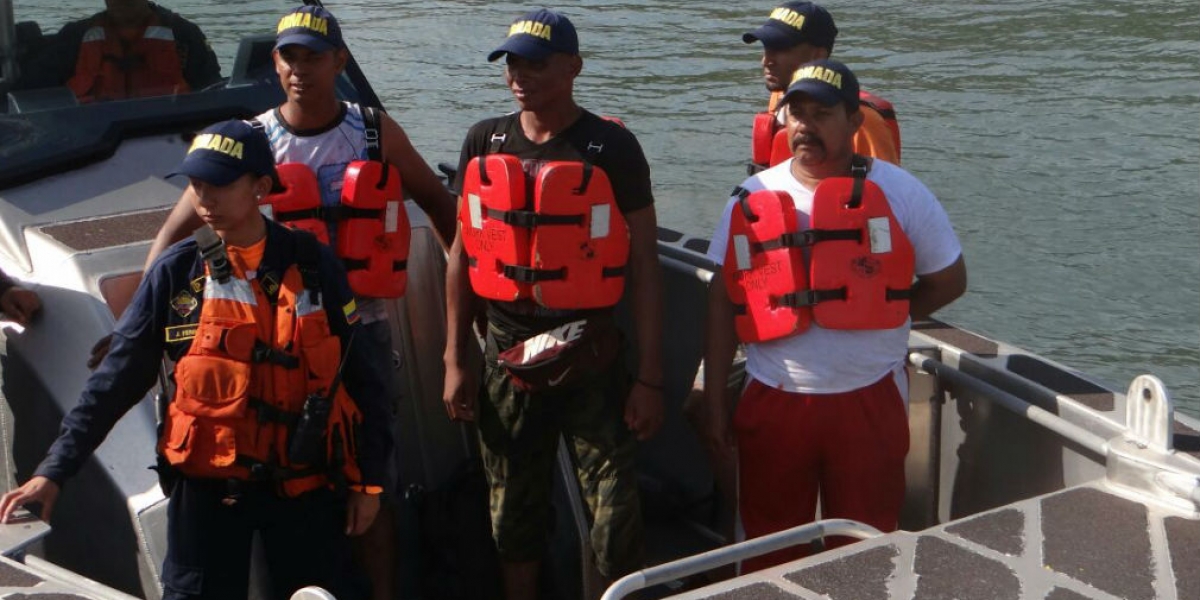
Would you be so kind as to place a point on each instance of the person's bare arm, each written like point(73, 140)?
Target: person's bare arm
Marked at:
point(720, 345)
point(644, 409)
point(936, 290)
point(460, 385)
point(418, 179)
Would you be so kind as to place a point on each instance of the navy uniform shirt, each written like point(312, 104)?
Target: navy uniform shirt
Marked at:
point(149, 328)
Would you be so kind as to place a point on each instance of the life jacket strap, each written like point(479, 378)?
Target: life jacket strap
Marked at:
point(530, 219)
point(268, 413)
point(212, 250)
point(809, 237)
point(801, 298)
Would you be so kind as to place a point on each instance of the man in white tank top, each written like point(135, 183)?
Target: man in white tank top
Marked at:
point(313, 127)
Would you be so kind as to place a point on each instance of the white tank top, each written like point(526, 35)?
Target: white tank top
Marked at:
point(326, 151)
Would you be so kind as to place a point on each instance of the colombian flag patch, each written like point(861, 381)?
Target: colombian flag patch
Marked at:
point(350, 310)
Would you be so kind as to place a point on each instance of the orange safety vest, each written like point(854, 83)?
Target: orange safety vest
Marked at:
point(879, 135)
point(252, 365)
point(373, 231)
point(858, 273)
point(568, 252)
point(115, 64)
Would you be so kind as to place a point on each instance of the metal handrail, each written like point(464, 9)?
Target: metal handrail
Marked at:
point(730, 554)
point(1038, 415)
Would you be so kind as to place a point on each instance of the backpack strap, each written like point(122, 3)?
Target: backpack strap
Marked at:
point(212, 250)
point(308, 261)
point(373, 133)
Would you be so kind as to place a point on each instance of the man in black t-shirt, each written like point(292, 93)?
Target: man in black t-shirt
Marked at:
point(605, 411)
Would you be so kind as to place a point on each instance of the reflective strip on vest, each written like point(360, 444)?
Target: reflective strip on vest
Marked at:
point(158, 32)
point(234, 290)
point(94, 34)
point(305, 306)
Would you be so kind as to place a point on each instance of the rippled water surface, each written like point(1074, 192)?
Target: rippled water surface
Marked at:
point(1062, 137)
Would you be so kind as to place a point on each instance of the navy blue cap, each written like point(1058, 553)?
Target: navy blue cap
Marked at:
point(538, 34)
point(226, 151)
point(826, 80)
point(793, 23)
point(310, 26)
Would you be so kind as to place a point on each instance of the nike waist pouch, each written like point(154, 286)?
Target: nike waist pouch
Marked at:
point(562, 356)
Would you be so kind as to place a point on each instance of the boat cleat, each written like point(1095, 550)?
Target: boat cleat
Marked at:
point(1142, 462)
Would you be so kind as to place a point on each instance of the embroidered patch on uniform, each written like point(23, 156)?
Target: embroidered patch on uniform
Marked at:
point(351, 311)
point(198, 284)
point(184, 303)
point(181, 333)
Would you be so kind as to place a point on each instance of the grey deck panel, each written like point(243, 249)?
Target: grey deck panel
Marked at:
point(1081, 542)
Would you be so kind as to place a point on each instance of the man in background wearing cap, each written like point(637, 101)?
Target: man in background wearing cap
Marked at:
point(602, 414)
point(226, 456)
point(799, 32)
point(314, 128)
point(824, 412)
point(132, 49)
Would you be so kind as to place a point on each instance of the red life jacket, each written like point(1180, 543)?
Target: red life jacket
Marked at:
point(243, 383)
point(769, 142)
point(568, 252)
point(857, 275)
point(373, 231)
point(113, 64)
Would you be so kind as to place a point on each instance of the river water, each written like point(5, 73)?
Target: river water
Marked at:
point(1061, 136)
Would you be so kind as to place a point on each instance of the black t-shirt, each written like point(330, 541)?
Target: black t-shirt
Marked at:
point(601, 142)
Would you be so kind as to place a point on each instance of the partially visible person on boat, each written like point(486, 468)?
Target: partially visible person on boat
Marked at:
point(132, 49)
point(278, 423)
point(18, 304)
point(818, 256)
point(555, 362)
point(313, 129)
point(795, 33)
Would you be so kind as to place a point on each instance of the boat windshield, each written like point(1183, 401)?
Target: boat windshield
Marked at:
point(77, 76)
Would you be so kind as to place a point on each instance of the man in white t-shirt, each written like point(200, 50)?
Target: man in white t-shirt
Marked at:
point(824, 411)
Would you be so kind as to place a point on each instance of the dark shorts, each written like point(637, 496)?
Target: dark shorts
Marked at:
point(208, 542)
point(519, 435)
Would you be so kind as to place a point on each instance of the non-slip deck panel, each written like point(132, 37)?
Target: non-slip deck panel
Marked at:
point(1101, 540)
point(757, 591)
point(1001, 531)
point(11, 576)
point(861, 576)
point(1183, 538)
point(107, 232)
point(946, 571)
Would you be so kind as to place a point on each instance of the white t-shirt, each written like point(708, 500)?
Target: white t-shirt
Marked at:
point(827, 361)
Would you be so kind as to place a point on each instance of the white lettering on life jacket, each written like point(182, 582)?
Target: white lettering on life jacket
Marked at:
point(563, 334)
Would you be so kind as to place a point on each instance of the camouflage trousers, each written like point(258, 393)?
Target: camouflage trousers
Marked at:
point(519, 435)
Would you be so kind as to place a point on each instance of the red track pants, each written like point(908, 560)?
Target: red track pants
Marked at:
point(848, 447)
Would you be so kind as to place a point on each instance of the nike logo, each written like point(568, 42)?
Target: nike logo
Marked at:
point(557, 380)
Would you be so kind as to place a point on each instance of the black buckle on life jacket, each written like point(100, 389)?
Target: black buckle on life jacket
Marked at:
point(521, 274)
point(212, 251)
point(892, 295)
point(263, 353)
point(801, 298)
point(808, 237)
point(267, 413)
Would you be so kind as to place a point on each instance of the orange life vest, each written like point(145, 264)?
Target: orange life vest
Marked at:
point(373, 231)
point(243, 384)
point(114, 64)
point(568, 252)
point(857, 274)
point(769, 142)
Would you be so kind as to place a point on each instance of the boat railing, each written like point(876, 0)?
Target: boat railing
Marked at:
point(1141, 461)
point(727, 555)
